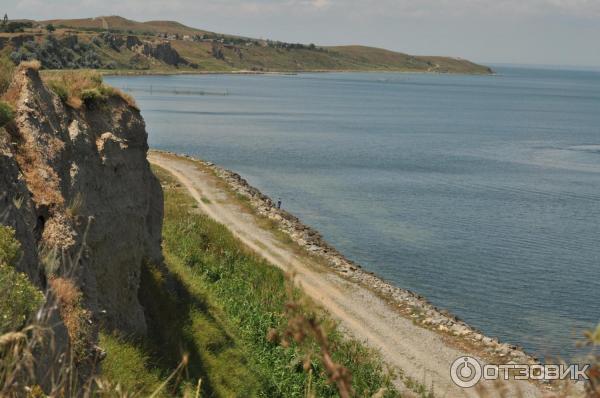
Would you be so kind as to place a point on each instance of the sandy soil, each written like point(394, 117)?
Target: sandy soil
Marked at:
point(420, 353)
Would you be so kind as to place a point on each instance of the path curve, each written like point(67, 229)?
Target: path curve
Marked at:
point(420, 353)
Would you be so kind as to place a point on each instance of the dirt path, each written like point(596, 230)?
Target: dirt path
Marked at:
point(420, 353)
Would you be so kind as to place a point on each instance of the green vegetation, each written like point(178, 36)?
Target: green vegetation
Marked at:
point(77, 88)
point(59, 89)
point(118, 44)
point(125, 365)
point(10, 249)
point(65, 52)
point(7, 68)
point(6, 113)
point(14, 26)
point(214, 304)
point(20, 299)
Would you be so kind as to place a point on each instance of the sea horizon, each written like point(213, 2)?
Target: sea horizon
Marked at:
point(477, 192)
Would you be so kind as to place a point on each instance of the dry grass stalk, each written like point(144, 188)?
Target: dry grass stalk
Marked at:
point(302, 325)
point(76, 87)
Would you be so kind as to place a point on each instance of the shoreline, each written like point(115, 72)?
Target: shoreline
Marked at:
point(409, 304)
point(132, 72)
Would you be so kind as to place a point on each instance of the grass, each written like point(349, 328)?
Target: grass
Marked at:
point(125, 364)
point(215, 303)
point(242, 57)
point(7, 69)
point(83, 87)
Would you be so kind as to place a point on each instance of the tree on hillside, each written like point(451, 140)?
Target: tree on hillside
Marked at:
point(50, 28)
point(5, 20)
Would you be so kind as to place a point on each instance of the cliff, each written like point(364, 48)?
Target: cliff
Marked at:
point(169, 47)
point(78, 190)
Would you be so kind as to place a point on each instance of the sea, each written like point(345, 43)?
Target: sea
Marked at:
point(481, 193)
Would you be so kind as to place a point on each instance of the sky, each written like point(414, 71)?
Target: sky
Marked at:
point(542, 32)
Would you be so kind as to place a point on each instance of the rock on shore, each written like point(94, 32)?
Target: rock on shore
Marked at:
point(407, 303)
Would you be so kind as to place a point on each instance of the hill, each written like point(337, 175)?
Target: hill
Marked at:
point(117, 43)
point(118, 23)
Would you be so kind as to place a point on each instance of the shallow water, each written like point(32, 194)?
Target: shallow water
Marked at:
point(481, 193)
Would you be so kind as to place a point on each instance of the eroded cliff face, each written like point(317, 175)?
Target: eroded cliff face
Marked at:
point(79, 191)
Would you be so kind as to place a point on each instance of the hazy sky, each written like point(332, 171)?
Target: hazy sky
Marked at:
point(553, 32)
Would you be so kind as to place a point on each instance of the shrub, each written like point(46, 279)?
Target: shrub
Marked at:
point(83, 87)
point(10, 249)
point(59, 89)
point(20, 298)
point(74, 86)
point(7, 113)
point(92, 95)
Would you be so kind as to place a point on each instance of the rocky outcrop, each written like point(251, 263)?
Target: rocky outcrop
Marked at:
point(161, 50)
point(164, 52)
point(79, 191)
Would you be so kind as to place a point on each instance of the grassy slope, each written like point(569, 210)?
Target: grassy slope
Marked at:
point(358, 58)
point(120, 23)
point(216, 302)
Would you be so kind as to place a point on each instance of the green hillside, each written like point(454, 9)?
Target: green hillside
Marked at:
point(120, 44)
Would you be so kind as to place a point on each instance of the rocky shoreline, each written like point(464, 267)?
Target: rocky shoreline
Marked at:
point(406, 302)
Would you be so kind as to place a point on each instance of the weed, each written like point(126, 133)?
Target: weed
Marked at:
point(74, 316)
point(20, 299)
point(10, 249)
point(60, 89)
point(7, 113)
point(75, 205)
point(7, 68)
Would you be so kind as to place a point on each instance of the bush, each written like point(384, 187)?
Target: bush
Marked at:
point(20, 299)
point(92, 95)
point(59, 89)
point(7, 113)
point(83, 87)
point(10, 250)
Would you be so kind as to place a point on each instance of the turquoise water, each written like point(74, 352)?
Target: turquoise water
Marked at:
point(481, 193)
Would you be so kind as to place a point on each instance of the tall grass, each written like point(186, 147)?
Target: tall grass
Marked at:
point(7, 68)
point(85, 87)
point(250, 297)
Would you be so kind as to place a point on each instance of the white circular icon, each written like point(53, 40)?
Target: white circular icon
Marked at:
point(465, 372)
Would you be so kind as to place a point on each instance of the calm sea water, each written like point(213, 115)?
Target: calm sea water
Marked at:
point(481, 193)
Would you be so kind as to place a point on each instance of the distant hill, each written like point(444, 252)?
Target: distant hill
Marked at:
point(118, 43)
point(122, 24)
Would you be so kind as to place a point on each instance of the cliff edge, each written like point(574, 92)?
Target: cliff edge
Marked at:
point(78, 190)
